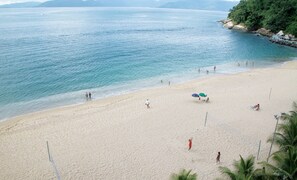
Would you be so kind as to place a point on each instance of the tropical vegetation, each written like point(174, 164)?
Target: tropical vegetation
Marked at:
point(274, 15)
point(243, 169)
point(284, 164)
point(184, 175)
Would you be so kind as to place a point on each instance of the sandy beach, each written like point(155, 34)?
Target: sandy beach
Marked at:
point(119, 138)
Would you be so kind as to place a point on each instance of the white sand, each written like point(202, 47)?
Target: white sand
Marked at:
point(119, 138)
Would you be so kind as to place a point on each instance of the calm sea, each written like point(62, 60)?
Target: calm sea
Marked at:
point(51, 57)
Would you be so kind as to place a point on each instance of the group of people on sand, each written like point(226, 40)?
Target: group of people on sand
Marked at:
point(190, 141)
point(88, 96)
point(218, 158)
point(168, 82)
point(207, 71)
point(247, 63)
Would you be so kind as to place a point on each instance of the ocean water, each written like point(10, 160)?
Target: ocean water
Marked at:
point(50, 57)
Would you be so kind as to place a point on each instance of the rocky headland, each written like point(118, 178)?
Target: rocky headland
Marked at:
point(279, 38)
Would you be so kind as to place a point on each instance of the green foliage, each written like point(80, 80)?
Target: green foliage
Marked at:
point(286, 135)
point(184, 175)
point(287, 131)
point(271, 14)
point(284, 165)
point(292, 28)
point(243, 169)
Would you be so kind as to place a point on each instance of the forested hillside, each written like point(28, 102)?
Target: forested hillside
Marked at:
point(275, 15)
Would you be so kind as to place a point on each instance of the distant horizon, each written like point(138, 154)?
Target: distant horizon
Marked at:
point(8, 2)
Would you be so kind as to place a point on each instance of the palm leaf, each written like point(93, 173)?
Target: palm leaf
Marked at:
point(184, 175)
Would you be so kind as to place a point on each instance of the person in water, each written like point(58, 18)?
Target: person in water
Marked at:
point(87, 96)
point(90, 95)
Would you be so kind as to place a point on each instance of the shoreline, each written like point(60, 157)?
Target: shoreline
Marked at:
point(280, 38)
point(107, 98)
point(119, 138)
point(79, 98)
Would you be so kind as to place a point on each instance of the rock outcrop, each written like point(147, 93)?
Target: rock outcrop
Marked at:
point(264, 32)
point(240, 27)
point(279, 38)
point(228, 23)
point(284, 39)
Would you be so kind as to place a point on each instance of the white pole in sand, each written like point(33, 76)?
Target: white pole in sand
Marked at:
point(53, 162)
point(48, 151)
point(270, 93)
point(277, 118)
point(205, 119)
point(259, 150)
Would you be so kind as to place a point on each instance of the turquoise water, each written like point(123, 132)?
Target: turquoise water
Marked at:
point(51, 57)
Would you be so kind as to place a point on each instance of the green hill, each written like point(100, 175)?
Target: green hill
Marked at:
point(275, 15)
point(21, 5)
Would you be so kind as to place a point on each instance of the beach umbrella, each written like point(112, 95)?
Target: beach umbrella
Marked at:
point(195, 95)
point(202, 94)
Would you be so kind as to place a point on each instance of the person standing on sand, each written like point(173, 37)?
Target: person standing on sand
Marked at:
point(218, 160)
point(147, 103)
point(190, 144)
point(87, 96)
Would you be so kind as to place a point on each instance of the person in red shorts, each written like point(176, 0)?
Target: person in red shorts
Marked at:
point(190, 144)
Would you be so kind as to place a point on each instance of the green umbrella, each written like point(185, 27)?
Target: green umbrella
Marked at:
point(202, 94)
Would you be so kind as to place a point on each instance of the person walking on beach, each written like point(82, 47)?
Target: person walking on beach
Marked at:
point(190, 144)
point(90, 95)
point(147, 103)
point(214, 68)
point(218, 160)
point(87, 96)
